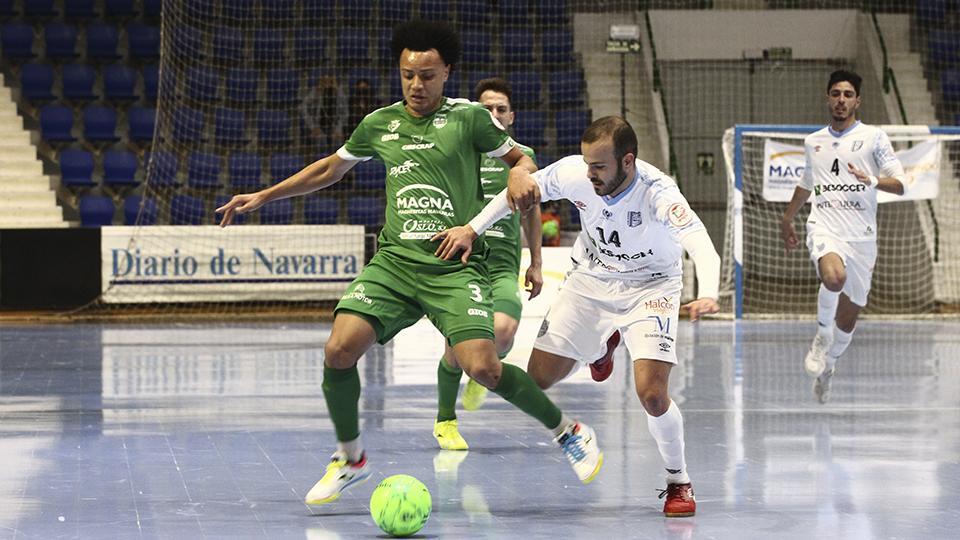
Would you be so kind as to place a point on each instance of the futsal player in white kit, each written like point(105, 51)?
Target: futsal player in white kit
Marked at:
point(626, 277)
point(847, 162)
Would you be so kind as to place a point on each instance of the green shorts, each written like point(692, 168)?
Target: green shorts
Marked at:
point(392, 294)
point(506, 293)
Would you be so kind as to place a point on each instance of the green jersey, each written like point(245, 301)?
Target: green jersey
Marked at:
point(503, 237)
point(433, 166)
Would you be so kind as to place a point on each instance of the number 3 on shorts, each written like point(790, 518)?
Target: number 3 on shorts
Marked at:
point(476, 296)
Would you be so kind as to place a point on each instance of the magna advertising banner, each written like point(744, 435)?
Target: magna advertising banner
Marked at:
point(783, 166)
point(213, 264)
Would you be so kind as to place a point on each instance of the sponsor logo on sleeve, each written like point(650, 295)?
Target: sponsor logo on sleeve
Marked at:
point(680, 215)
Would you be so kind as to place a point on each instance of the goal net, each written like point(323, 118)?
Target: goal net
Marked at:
point(918, 256)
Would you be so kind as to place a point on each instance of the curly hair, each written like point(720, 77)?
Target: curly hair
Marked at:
point(420, 35)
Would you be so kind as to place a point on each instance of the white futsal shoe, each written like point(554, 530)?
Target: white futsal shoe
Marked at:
point(821, 386)
point(340, 475)
point(816, 360)
point(579, 444)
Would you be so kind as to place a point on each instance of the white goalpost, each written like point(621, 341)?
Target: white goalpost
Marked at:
point(918, 262)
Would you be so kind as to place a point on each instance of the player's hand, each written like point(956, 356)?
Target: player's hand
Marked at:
point(863, 177)
point(701, 306)
point(454, 240)
point(522, 190)
point(533, 281)
point(239, 204)
point(789, 235)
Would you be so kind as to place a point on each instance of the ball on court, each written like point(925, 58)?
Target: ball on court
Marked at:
point(400, 505)
point(551, 229)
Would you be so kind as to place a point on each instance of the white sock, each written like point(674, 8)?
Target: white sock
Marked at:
point(353, 449)
point(667, 430)
point(564, 424)
point(826, 310)
point(841, 340)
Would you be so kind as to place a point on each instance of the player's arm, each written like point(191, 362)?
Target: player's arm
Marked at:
point(706, 261)
point(787, 231)
point(460, 239)
point(522, 190)
point(891, 181)
point(318, 175)
point(532, 230)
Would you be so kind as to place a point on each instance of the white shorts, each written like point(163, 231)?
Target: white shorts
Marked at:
point(858, 261)
point(589, 309)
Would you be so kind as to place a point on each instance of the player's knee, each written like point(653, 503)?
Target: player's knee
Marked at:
point(338, 355)
point(504, 343)
point(655, 401)
point(540, 375)
point(834, 279)
point(487, 374)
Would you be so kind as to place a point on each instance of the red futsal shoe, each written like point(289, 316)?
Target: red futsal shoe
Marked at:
point(680, 500)
point(601, 369)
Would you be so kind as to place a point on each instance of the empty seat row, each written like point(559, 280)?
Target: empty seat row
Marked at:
point(60, 41)
point(77, 168)
point(99, 124)
point(81, 9)
point(78, 82)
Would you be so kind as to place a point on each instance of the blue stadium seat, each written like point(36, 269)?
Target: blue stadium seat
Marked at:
point(473, 13)
point(202, 84)
point(951, 85)
point(186, 210)
point(526, 88)
point(80, 9)
point(557, 46)
point(229, 126)
point(551, 12)
point(530, 128)
point(120, 8)
point(220, 200)
point(8, 9)
point(310, 44)
point(566, 88)
point(96, 211)
point(517, 46)
point(477, 46)
point(241, 84)
point(144, 41)
point(151, 8)
point(369, 175)
point(385, 52)
point(372, 77)
point(570, 126)
point(120, 168)
point(60, 40)
point(944, 48)
point(279, 212)
point(119, 82)
point(78, 82)
point(228, 43)
point(269, 45)
point(203, 170)
point(514, 13)
point(283, 166)
point(76, 168)
point(36, 82)
point(287, 9)
point(475, 77)
point(131, 210)
point(357, 12)
point(56, 124)
point(142, 122)
point(317, 10)
point(100, 124)
point(365, 211)
point(273, 127)
point(39, 9)
point(395, 11)
point(435, 10)
point(162, 169)
point(17, 40)
point(238, 10)
point(151, 81)
point(188, 38)
point(353, 46)
point(932, 12)
point(396, 92)
point(319, 210)
point(187, 125)
point(454, 86)
point(243, 170)
point(283, 86)
point(102, 40)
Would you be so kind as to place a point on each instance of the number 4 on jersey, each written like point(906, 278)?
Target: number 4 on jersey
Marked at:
point(835, 168)
point(614, 237)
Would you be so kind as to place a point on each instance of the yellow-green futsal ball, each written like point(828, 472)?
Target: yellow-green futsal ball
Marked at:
point(400, 505)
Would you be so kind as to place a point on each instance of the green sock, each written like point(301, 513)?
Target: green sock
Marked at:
point(448, 386)
point(519, 389)
point(341, 389)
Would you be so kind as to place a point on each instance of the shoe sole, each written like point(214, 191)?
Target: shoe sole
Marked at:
point(596, 470)
point(812, 374)
point(356, 481)
point(679, 514)
point(450, 446)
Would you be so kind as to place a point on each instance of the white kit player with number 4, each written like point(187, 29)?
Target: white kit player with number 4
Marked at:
point(626, 278)
point(847, 162)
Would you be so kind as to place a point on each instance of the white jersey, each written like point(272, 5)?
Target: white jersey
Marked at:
point(843, 206)
point(635, 235)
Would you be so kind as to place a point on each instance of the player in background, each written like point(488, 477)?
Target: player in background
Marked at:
point(626, 278)
point(846, 163)
point(431, 147)
point(503, 264)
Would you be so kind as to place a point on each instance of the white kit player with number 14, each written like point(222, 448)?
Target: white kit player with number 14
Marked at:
point(626, 278)
point(846, 163)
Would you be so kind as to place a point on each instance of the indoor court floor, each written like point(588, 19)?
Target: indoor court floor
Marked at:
point(217, 431)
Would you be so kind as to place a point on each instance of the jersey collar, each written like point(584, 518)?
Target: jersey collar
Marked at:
point(839, 134)
point(443, 103)
point(614, 200)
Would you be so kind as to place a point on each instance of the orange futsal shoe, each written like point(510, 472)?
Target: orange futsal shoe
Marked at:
point(680, 500)
point(601, 369)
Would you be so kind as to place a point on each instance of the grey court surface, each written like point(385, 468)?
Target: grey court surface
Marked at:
point(217, 431)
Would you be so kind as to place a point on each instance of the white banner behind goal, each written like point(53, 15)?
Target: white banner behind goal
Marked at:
point(918, 262)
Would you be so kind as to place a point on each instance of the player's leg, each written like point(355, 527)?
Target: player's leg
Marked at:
point(547, 368)
point(826, 252)
point(445, 428)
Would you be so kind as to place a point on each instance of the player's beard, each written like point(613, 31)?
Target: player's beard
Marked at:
point(619, 180)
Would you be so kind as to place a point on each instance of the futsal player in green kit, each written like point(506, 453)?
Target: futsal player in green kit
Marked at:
point(503, 263)
point(431, 147)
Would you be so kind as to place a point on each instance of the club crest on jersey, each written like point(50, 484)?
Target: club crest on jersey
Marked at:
point(440, 121)
point(634, 219)
point(393, 126)
point(856, 146)
point(679, 215)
